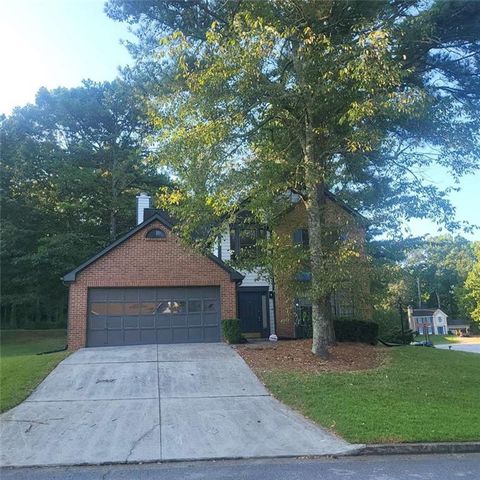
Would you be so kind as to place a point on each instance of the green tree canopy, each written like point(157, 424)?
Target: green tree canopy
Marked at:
point(440, 264)
point(71, 165)
point(250, 99)
point(472, 287)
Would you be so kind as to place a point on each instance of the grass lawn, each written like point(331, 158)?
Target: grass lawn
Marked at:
point(440, 339)
point(418, 394)
point(21, 370)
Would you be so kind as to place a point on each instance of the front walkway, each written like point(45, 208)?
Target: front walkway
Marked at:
point(152, 403)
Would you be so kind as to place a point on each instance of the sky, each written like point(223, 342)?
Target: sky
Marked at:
point(52, 43)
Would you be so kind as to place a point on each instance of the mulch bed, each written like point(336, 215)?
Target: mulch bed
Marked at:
point(296, 356)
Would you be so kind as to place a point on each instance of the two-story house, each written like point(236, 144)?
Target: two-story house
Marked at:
point(428, 320)
point(150, 287)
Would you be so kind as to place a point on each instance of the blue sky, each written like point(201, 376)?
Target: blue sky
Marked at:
point(55, 43)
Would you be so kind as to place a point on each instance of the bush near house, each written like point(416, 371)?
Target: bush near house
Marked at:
point(231, 330)
point(390, 328)
point(347, 330)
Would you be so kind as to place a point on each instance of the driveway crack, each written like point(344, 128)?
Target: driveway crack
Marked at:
point(105, 475)
point(138, 440)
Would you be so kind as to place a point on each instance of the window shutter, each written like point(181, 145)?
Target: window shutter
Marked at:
point(305, 238)
point(298, 237)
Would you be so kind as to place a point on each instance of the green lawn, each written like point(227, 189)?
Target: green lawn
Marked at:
point(420, 394)
point(21, 370)
point(440, 339)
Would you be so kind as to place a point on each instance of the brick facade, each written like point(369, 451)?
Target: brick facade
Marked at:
point(294, 219)
point(141, 262)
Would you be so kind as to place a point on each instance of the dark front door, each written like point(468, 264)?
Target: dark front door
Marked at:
point(253, 312)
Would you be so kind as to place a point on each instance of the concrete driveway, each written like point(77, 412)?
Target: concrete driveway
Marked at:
point(153, 403)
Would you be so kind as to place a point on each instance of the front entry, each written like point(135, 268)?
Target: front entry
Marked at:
point(253, 312)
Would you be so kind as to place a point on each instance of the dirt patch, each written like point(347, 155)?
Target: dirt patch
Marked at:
point(296, 355)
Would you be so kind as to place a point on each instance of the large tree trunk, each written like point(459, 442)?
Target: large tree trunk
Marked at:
point(323, 332)
point(315, 175)
point(113, 226)
point(114, 193)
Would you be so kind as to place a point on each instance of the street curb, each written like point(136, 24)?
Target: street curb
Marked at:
point(419, 448)
point(361, 451)
point(358, 450)
point(348, 453)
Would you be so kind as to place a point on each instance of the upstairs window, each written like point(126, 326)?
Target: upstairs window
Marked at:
point(300, 237)
point(424, 320)
point(244, 240)
point(155, 233)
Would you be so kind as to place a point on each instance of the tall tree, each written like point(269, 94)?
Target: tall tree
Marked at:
point(71, 165)
point(439, 264)
point(253, 98)
point(472, 286)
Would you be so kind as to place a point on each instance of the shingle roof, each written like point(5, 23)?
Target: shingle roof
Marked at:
point(457, 322)
point(424, 312)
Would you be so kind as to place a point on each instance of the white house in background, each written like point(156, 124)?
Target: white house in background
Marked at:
point(433, 321)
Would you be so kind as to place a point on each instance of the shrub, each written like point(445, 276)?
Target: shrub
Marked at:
point(347, 330)
point(231, 330)
point(389, 327)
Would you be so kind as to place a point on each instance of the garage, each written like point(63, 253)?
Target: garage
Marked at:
point(149, 287)
point(135, 316)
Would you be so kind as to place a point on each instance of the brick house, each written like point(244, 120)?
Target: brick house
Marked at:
point(292, 309)
point(150, 287)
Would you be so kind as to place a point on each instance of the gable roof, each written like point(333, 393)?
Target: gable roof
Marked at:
point(71, 276)
point(425, 312)
point(332, 197)
point(345, 207)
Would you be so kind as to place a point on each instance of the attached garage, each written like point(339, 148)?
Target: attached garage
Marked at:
point(149, 287)
point(134, 316)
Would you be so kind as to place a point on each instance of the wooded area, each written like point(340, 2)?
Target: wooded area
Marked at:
point(240, 101)
point(71, 167)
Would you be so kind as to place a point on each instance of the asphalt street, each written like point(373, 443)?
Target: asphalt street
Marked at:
point(400, 467)
point(461, 347)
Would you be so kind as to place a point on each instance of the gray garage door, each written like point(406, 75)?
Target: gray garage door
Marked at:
point(134, 316)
